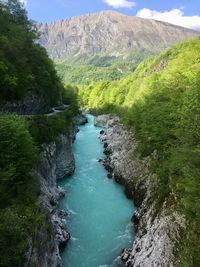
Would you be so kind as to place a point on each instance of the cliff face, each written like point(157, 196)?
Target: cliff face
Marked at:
point(56, 161)
point(157, 230)
point(30, 105)
point(108, 33)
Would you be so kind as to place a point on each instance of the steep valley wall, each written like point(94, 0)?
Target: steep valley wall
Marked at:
point(157, 231)
point(56, 161)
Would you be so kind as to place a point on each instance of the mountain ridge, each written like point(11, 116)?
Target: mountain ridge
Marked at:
point(108, 32)
point(112, 12)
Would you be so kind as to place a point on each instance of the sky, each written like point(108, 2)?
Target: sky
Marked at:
point(185, 13)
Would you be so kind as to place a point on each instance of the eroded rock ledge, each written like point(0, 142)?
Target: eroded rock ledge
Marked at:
point(157, 230)
point(56, 161)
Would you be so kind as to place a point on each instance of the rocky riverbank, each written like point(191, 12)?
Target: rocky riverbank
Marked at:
point(157, 229)
point(56, 161)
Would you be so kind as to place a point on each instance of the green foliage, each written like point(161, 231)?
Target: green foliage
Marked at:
point(77, 73)
point(82, 71)
point(70, 97)
point(21, 216)
point(161, 100)
point(104, 61)
point(24, 65)
point(25, 68)
point(19, 213)
point(46, 129)
point(17, 158)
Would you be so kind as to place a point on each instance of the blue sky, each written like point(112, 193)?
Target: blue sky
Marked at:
point(181, 12)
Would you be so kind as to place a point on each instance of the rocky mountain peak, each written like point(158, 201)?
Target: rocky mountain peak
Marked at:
point(110, 33)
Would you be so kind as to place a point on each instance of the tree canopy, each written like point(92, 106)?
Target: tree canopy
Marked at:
point(24, 65)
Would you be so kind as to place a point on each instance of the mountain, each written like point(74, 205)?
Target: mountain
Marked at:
point(110, 33)
point(96, 45)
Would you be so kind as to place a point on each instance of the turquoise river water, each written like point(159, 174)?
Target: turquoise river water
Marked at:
point(99, 213)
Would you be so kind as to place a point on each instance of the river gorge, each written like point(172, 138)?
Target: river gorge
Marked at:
point(99, 214)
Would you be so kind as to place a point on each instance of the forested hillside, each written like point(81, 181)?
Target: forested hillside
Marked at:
point(24, 65)
point(161, 101)
point(25, 69)
point(83, 71)
point(107, 45)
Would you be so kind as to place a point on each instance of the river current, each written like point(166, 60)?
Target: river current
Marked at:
point(99, 219)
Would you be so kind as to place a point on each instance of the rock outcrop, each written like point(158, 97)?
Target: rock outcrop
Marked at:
point(30, 105)
point(108, 33)
point(80, 120)
point(157, 229)
point(56, 161)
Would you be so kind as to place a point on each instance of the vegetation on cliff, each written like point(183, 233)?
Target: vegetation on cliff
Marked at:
point(46, 129)
point(161, 100)
point(25, 68)
point(21, 214)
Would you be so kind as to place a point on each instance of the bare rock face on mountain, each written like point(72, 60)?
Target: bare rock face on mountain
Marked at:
point(108, 33)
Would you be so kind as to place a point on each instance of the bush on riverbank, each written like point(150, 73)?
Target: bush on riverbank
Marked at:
point(46, 129)
point(161, 100)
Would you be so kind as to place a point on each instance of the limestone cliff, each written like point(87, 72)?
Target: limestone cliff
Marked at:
point(157, 229)
point(30, 105)
point(56, 161)
point(108, 33)
point(46, 252)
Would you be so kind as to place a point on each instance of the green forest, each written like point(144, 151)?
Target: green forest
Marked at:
point(24, 65)
point(25, 68)
point(82, 71)
point(161, 102)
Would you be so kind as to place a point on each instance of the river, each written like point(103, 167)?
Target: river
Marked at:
point(99, 213)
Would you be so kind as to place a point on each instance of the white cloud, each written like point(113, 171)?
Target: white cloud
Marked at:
point(174, 16)
point(120, 3)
